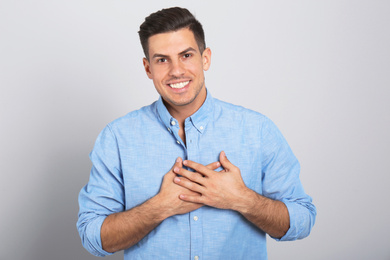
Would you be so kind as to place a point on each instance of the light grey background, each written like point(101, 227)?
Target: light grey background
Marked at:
point(319, 69)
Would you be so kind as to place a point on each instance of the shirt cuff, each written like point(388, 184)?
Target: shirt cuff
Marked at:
point(94, 241)
point(299, 222)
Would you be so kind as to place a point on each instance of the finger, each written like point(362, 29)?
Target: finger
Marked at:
point(226, 164)
point(188, 184)
point(192, 198)
point(192, 176)
point(198, 167)
point(213, 166)
point(178, 164)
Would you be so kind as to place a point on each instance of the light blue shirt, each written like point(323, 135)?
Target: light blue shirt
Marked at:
point(133, 153)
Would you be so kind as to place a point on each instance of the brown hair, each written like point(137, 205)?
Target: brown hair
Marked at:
point(168, 20)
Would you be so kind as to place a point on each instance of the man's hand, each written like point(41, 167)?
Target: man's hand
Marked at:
point(170, 192)
point(227, 190)
point(224, 189)
point(124, 229)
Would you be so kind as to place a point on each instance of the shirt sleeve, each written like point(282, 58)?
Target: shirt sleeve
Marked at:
point(104, 193)
point(281, 182)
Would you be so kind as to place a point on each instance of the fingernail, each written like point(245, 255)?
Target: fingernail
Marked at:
point(176, 179)
point(176, 169)
point(218, 164)
point(185, 162)
point(178, 159)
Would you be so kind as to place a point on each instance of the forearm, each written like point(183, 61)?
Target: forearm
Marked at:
point(124, 229)
point(269, 215)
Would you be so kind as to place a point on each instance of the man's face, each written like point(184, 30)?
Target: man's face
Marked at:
point(176, 67)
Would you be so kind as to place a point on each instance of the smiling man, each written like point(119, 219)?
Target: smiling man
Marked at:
point(162, 186)
point(176, 66)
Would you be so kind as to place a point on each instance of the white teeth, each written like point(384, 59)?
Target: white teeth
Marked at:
point(179, 85)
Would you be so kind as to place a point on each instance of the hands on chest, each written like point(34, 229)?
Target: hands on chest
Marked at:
point(185, 190)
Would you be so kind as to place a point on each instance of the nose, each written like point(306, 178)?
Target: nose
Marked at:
point(177, 69)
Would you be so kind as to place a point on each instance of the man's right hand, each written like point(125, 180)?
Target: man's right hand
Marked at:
point(124, 229)
point(169, 192)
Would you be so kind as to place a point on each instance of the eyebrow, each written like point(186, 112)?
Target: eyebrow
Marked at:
point(158, 55)
point(187, 50)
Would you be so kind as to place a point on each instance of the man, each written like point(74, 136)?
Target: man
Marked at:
point(190, 177)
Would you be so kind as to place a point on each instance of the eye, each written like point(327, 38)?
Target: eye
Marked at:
point(187, 55)
point(162, 60)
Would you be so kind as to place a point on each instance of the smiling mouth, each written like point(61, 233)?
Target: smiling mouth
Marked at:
point(179, 85)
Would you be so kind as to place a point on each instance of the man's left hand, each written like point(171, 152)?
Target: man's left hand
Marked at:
point(225, 189)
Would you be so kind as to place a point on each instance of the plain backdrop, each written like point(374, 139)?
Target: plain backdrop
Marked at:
point(319, 69)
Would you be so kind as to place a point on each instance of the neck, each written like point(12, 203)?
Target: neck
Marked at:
point(180, 113)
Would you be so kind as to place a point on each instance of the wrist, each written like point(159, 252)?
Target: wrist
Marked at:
point(155, 209)
point(161, 211)
point(247, 201)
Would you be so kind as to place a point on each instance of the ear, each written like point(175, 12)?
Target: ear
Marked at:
point(147, 67)
point(206, 59)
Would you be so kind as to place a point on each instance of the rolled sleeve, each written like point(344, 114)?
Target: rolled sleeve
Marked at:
point(301, 221)
point(281, 182)
point(89, 230)
point(104, 193)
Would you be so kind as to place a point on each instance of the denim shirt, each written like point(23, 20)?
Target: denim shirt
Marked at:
point(133, 153)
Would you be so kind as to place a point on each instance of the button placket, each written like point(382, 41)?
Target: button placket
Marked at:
point(195, 217)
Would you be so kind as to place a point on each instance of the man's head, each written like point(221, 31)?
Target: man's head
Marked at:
point(176, 59)
point(169, 20)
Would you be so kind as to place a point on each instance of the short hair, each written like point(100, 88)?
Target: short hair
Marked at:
point(169, 20)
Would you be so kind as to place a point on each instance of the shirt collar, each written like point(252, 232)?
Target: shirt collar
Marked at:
point(199, 119)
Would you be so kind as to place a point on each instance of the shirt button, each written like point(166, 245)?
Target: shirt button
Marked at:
point(169, 129)
point(177, 141)
point(173, 123)
point(196, 257)
point(201, 128)
point(196, 218)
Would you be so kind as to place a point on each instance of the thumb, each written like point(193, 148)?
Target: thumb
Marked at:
point(226, 164)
